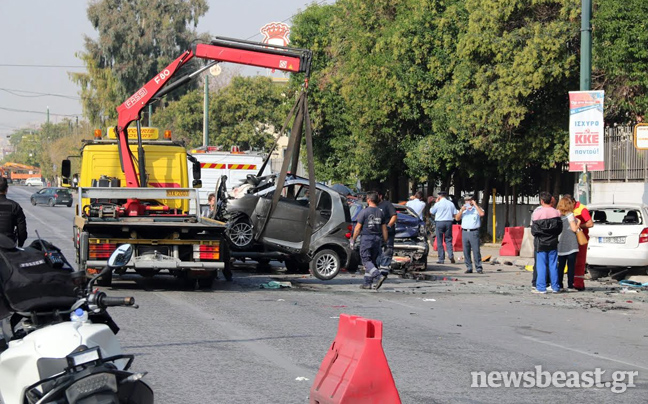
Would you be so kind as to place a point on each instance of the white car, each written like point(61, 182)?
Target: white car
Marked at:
point(34, 182)
point(619, 239)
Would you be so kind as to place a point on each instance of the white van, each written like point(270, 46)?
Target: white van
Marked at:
point(34, 182)
point(235, 165)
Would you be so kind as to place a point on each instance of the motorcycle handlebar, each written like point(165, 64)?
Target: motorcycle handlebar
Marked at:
point(107, 301)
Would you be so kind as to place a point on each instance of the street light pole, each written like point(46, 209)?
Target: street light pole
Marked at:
point(586, 46)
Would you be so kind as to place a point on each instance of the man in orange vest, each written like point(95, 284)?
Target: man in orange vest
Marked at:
point(582, 214)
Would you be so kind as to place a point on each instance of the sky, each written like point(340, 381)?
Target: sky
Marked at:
point(41, 37)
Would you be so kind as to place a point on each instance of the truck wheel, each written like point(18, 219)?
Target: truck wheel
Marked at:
point(240, 233)
point(51, 203)
point(33, 201)
point(227, 272)
point(325, 265)
point(105, 280)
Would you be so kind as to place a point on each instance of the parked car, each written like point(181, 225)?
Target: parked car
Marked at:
point(34, 182)
point(411, 246)
point(329, 249)
point(618, 243)
point(52, 197)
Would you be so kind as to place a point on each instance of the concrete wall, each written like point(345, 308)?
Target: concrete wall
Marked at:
point(608, 192)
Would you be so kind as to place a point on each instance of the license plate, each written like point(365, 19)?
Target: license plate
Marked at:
point(177, 193)
point(612, 240)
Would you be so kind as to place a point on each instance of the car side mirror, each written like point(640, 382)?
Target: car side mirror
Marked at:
point(196, 183)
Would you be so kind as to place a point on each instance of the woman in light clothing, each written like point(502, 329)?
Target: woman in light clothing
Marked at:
point(567, 243)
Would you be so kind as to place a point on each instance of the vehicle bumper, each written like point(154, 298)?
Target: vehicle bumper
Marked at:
point(164, 264)
point(611, 257)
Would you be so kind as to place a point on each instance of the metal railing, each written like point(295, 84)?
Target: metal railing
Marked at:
point(623, 162)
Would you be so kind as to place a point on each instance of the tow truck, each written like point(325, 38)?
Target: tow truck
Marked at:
point(134, 190)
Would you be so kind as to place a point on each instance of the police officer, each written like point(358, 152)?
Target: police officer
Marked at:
point(387, 253)
point(371, 224)
point(12, 218)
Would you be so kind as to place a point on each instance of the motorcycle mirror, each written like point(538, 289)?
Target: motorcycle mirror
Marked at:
point(120, 256)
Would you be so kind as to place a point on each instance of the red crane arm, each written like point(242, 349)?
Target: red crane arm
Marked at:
point(220, 49)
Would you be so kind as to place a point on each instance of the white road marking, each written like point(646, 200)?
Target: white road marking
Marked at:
point(583, 352)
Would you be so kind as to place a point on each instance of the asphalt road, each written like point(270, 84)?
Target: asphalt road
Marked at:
point(238, 343)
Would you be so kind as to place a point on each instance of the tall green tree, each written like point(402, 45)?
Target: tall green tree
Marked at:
point(620, 58)
point(137, 38)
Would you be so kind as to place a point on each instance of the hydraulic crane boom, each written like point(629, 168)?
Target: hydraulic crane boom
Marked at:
point(219, 50)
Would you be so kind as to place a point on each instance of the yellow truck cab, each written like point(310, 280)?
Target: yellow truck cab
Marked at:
point(166, 163)
point(157, 218)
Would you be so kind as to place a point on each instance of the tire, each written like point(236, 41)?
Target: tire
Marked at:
point(33, 201)
point(51, 203)
point(69, 205)
point(325, 265)
point(106, 280)
point(292, 266)
point(596, 273)
point(241, 234)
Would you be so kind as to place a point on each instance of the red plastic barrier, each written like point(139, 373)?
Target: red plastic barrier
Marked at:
point(355, 369)
point(512, 241)
point(457, 241)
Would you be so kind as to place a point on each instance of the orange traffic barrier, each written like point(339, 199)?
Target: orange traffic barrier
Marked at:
point(355, 368)
point(457, 241)
point(512, 241)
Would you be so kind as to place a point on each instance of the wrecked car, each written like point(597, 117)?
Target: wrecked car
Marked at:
point(411, 246)
point(283, 236)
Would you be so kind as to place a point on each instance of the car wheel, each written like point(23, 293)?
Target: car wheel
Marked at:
point(51, 203)
point(325, 264)
point(33, 201)
point(240, 233)
point(596, 273)
point(69, 205)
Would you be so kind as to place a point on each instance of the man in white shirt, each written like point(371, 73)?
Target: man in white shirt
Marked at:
point(417, 204)
point(470, 216)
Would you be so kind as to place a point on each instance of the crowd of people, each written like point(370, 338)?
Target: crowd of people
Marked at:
point(557, 226)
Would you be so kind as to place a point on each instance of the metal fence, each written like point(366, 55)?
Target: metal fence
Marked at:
point(623, 162)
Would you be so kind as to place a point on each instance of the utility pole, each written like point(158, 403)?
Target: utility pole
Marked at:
point(48, 115)
point(585, 81)
point(206, 114)
point(586, 46)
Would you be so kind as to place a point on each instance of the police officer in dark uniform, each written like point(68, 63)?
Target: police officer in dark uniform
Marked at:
point(12, 217)
point(372, 225)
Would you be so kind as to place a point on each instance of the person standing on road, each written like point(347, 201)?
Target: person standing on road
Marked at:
point(567, 243)
point(12, 218)
point(371, 224)
point(417, 204)
point(546, 227)
point(389, 212)
point(581, 213)
point(470, 216)
point(444, 212)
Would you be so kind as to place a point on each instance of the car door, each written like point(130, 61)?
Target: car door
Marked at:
point(41, 196)
point(285, 229)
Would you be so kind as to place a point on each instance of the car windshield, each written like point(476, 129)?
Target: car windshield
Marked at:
point(616, 215)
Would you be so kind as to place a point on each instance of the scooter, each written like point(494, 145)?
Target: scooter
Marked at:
point(72, 355)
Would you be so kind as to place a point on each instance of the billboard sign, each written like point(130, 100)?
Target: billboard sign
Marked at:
point(586, 131)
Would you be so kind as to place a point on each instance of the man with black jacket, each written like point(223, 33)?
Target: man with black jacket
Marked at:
point(546, 227)
point(12, 218)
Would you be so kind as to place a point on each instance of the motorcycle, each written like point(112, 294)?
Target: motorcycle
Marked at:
point(67, 355)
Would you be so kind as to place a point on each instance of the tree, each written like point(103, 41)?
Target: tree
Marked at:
point(620, 58)
point(137, 38)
